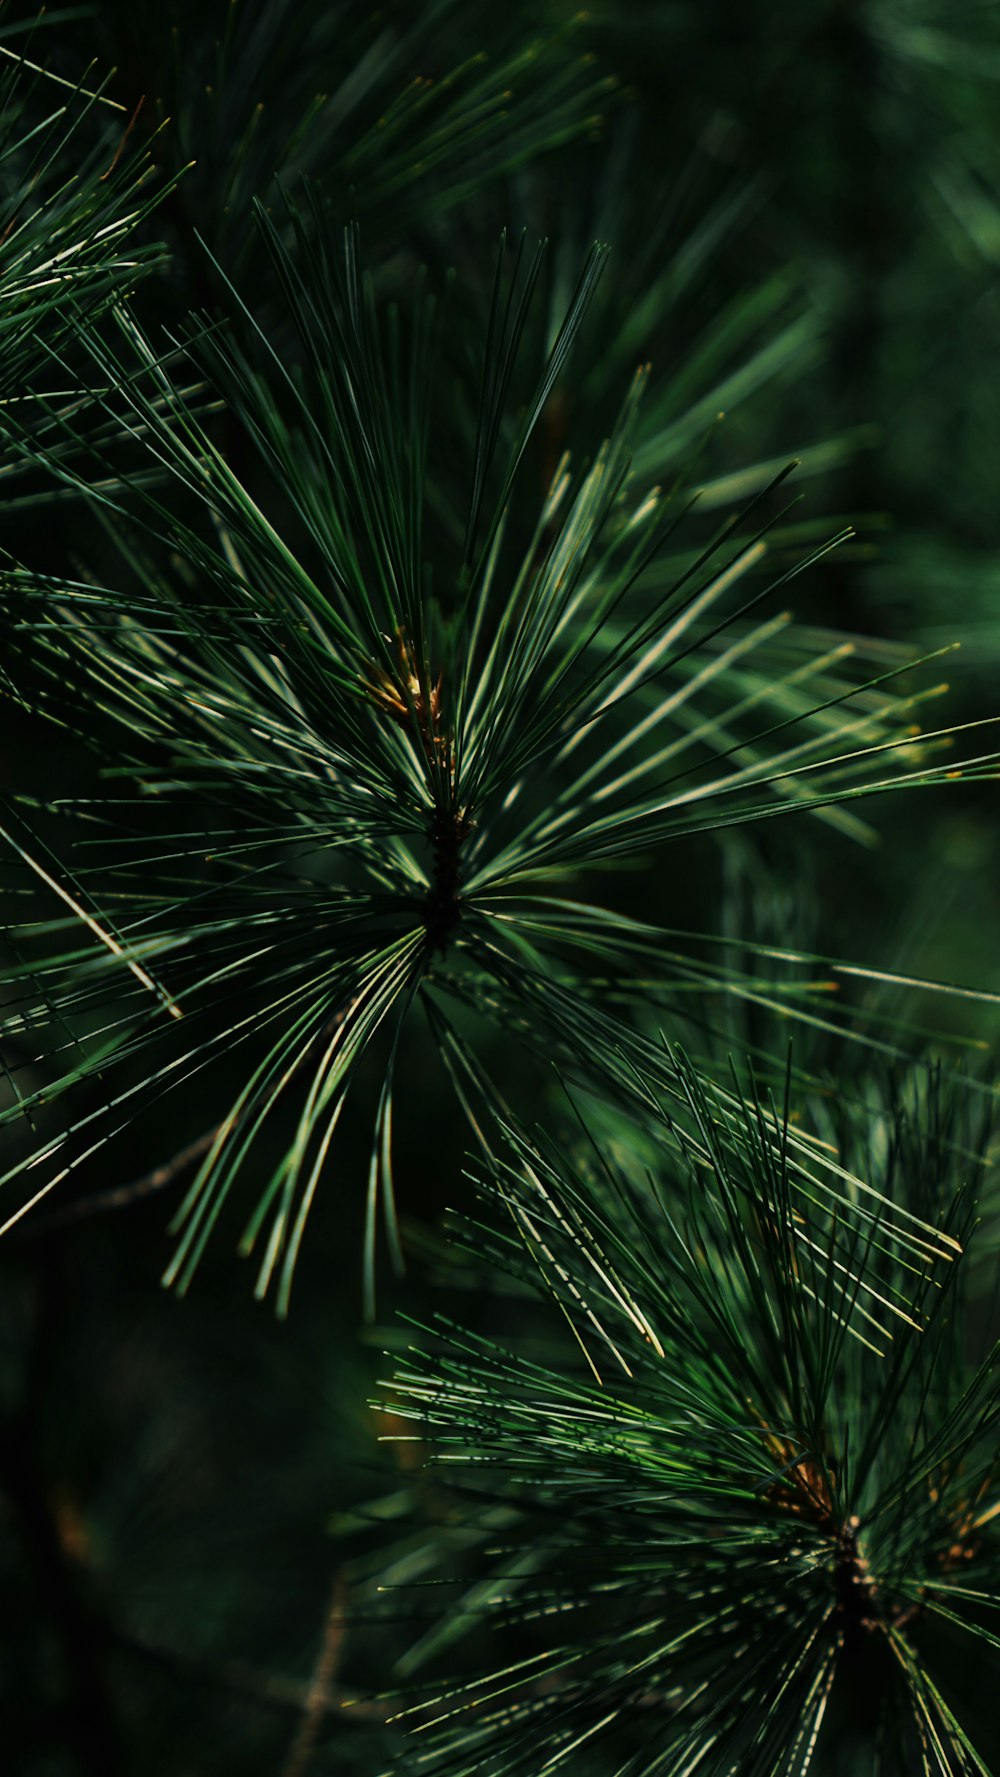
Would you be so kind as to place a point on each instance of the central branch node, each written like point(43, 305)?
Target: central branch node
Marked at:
point(853, 1584)
point(443, 906)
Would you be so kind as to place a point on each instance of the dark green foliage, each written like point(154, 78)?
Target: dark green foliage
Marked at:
point(75, 195)
point(401, 718)
point(723, 1537)
point(398, 729)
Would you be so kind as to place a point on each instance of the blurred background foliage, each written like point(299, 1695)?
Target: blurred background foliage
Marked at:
point(803, 206)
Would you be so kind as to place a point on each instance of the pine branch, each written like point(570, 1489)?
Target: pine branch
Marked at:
point(387, 781)
point(711, 1538)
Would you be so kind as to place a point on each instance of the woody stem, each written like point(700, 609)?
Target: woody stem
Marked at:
point(443, 906)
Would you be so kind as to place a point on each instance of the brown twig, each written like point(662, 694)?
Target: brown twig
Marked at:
point(264, 1690)
point(120, 1196)
point(159, 1177)
point(69, 1610)
point(123, 143)
point(319, 1696)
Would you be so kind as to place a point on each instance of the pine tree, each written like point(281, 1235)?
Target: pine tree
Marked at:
point(410, 653)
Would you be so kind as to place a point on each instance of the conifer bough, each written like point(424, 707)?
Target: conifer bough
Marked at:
point(382, 686)
point(368, 744)
point(748, 1524)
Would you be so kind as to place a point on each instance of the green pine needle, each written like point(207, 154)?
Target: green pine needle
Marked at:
point(714, 1539)
point(347, 781)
